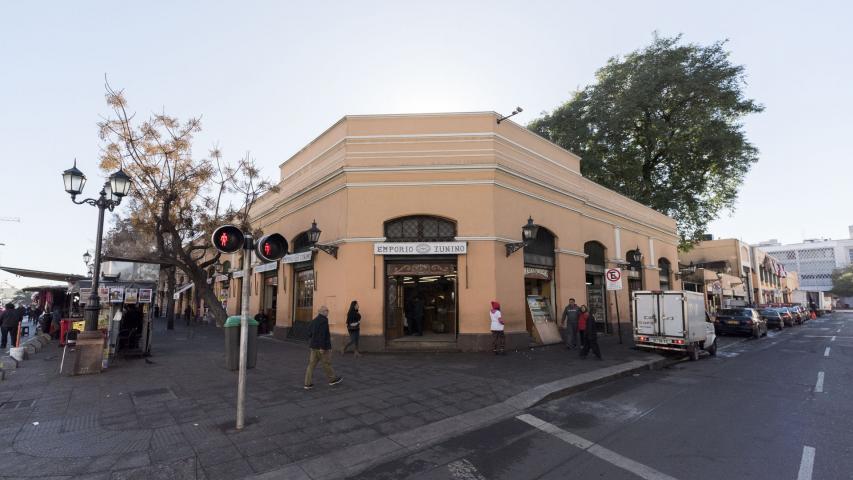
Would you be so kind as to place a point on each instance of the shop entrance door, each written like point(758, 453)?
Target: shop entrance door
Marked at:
point(429, 288)
point(269, 302)
point(303, 303)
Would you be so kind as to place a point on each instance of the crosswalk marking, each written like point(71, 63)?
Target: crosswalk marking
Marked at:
point(625, 463)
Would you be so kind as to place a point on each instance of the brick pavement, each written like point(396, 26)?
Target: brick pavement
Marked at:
point(172, 417)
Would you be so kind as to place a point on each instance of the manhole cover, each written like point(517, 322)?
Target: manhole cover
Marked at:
point(17, 404)
point(153, 395)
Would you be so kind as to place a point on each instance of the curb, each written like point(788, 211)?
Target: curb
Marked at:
point(357, 458)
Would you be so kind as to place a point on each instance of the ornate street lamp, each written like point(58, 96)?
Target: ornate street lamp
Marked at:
point(114, 189)
point(528, 233)
point(636, 256)
point(314, 237)
point(87, 258)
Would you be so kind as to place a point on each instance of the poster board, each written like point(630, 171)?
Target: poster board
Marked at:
point(545, 329)
point(116, 294)
point(131, 295)
point(145, 295)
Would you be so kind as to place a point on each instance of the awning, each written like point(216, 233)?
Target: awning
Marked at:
point(56, 276)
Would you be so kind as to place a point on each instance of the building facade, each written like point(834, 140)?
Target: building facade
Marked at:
point(722, 269)
point(814, 260)
point(421, 209)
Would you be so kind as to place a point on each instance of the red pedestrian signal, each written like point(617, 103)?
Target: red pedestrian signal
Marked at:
point(271, 247)
point(227, 239)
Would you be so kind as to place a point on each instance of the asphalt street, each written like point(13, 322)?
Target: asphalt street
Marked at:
point(776, 407)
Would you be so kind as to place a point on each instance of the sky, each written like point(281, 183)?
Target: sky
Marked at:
point(267, 77)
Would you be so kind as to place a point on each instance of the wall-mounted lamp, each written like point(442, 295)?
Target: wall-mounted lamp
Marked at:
point(514, 113)
point(528, 233)
point(314, 237)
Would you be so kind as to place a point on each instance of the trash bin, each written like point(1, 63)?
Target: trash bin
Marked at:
point(232, 343)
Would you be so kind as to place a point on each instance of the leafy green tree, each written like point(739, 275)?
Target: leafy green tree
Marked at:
point(662, 125)
point(842, 282)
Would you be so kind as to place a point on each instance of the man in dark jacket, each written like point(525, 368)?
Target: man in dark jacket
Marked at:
point(320, 343)
point(570, 323)
point(9, 320)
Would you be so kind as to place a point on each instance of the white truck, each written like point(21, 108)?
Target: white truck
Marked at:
point(672, 320)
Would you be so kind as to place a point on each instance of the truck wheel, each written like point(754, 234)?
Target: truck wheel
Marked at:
point(713, 349)
point(693, 352)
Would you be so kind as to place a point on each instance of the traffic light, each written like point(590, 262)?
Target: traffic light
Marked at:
point(271, 247)
point(227, 239)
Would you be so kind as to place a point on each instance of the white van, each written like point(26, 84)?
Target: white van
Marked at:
point(672, 320)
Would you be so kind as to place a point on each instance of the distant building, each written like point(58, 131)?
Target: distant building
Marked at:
point(813, 259)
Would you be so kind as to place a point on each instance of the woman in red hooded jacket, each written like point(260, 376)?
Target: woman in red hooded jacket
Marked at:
point(498, 339)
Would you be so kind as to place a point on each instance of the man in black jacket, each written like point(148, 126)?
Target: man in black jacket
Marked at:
point(320, 342)
point(9, 320)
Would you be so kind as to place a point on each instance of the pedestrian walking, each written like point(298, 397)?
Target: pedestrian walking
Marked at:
point(188, 314)
point(9, 320)
point(156, 311)
point(586, 327)
point(320, 342)
point(570, 323)
point(497, 328)
point(353, 328)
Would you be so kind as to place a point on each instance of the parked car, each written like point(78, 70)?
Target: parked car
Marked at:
point(740, 321)
point(786, 315)
point(799, 313)
point(773, 318)
point(797, 319)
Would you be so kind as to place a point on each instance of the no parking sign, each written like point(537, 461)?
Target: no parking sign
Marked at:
point(614, 278)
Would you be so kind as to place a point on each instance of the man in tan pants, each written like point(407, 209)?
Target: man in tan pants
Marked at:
point(321, 349)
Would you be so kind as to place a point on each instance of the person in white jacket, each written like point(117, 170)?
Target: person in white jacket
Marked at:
point(498, 339)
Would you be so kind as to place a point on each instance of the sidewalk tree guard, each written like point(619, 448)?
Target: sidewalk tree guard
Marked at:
point(270, 248)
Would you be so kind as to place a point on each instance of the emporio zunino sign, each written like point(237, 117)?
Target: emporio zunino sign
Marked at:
point(420, 248)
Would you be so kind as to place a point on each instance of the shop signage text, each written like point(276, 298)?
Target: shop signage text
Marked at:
point(297, 257)
point(420, 248)
point(266, 267)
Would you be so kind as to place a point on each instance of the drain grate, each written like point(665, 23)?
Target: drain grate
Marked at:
point(153, 395)
point(17, 404)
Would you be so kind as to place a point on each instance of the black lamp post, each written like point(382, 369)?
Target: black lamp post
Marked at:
point(314, 237)
point(114, 189)
point(528, 234)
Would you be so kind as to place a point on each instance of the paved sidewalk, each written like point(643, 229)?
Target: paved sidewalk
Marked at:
point(172, 416)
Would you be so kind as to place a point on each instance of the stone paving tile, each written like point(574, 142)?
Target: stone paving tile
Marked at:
point(266, 461)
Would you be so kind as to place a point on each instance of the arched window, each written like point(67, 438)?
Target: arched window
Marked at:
point(420, 228)
point(595, 256)
point(226, 266)
point(301, 243)
point(540, 251)
point(665, 274)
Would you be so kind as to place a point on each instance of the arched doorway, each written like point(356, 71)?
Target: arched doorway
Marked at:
point(539, 286)
point(303, 289)
point(595, 263)
point(665, 270)
point(420, 282)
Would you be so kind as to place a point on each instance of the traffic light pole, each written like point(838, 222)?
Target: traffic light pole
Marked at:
point(244, 332)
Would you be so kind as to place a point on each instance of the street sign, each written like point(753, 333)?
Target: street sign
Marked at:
point(614, 278)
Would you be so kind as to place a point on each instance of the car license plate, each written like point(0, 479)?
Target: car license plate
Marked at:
point(733, 322)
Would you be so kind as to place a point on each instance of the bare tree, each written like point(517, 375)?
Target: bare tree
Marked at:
point(178, 199)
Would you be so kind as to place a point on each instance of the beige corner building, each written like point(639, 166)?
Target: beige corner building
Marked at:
point(425, 206)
